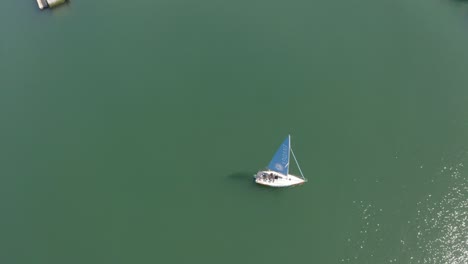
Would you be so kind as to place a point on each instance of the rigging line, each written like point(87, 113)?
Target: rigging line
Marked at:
point(297, 163)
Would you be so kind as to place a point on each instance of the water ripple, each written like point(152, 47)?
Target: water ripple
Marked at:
point(442, 224)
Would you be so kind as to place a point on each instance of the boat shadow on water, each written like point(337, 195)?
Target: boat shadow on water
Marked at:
point(243, 176)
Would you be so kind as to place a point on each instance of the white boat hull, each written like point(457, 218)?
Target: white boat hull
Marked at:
point(275, 179)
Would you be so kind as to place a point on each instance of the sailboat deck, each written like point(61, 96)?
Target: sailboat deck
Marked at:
point(272, 179)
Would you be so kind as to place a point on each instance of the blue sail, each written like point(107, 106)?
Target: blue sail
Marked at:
point(280, 161)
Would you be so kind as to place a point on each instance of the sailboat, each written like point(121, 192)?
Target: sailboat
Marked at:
point(277, 172)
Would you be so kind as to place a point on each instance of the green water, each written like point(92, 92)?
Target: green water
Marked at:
point(130, 131)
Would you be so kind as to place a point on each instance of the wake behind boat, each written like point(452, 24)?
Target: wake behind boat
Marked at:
point(277, 173)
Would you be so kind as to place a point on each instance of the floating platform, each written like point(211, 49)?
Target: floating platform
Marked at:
point(49, 3)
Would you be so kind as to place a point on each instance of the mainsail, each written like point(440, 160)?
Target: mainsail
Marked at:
point(280, 161)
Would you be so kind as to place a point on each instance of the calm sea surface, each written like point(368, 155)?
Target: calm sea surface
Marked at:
point(130, 131)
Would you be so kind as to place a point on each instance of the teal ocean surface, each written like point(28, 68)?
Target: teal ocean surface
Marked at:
point(130, 131)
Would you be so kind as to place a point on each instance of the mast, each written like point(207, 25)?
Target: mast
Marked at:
point(289, 161)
